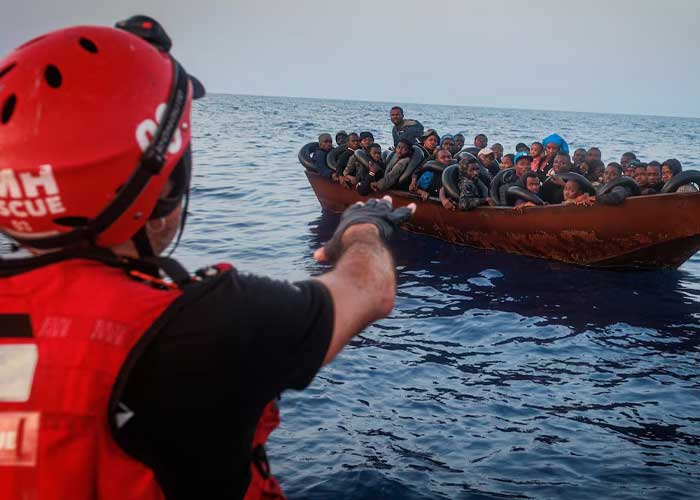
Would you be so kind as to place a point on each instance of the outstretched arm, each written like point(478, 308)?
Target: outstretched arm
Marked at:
point(362, 285)
point(364, 271)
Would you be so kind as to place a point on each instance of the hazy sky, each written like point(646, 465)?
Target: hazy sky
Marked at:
point(619, 56)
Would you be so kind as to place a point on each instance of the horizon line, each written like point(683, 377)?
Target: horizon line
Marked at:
point(649, 115)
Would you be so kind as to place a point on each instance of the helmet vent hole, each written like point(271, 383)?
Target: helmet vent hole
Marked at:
point(8, 108)
point(88, 45)
point(7, 69)
point(53, 76)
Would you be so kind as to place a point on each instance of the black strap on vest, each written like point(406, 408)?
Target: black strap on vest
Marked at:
point(148, 265)
point(151, 163)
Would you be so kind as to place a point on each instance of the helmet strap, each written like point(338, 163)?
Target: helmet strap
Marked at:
point(142, 243)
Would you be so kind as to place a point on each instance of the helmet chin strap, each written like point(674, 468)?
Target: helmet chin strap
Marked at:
point(142, 243)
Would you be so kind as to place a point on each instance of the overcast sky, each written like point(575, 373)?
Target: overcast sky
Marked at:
point(618, 56)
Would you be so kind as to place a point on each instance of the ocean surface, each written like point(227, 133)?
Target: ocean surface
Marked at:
point(496, 376)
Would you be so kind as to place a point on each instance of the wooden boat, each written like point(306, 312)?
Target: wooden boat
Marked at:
point(646, 232)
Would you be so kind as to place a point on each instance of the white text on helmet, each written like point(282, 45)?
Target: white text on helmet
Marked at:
point(147, 129)
point(29, 195)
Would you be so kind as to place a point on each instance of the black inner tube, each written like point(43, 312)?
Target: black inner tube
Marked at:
point(305, 155)
point(582, 181)
point(678, 180)
point(432, 166)
point(514, 193)
point(332, 157)
point(362, 156)
point(414, 163)
point(505, 176)
point(626, 182)
point(450, 180)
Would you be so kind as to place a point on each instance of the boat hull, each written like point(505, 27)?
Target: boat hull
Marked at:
point(649, 232)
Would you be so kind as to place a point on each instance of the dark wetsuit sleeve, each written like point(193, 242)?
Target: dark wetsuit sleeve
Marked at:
point(614, 197)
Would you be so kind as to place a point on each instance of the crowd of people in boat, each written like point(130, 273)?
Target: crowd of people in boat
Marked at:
point(542, 172)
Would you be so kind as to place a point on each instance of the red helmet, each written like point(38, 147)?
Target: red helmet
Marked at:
point(93, 120)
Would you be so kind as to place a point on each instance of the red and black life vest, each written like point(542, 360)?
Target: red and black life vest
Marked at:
point(69, 329)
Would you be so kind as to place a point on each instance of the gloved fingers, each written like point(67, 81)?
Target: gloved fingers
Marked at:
point(401, 215)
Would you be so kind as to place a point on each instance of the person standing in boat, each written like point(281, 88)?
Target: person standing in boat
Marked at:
point(123, 384)
point(472, 192)
point(404, 150)
point(404, 128)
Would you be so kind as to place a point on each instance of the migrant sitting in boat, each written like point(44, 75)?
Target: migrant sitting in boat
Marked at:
point(472, 191)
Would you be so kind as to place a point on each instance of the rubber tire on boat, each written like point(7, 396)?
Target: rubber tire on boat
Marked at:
point(626, 182)
point(517, 193)
point(504, 176)
point(362, 156)
point(305, 156)
point(573, 176)
point(449, 182)
point(385, 155)
point(681, 179)
point(433, 166)
point(416, 160)
point(332, 157)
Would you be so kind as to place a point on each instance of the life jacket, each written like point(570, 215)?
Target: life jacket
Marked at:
point(69, 333)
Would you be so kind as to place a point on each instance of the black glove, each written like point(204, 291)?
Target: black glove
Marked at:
point(377, 212)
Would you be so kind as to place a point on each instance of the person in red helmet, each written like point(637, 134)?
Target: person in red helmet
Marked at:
point(122, 375)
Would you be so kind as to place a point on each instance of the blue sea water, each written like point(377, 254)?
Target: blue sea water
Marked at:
point(496, 376)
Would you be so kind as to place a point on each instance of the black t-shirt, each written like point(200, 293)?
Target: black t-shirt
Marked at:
point(198, 389)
